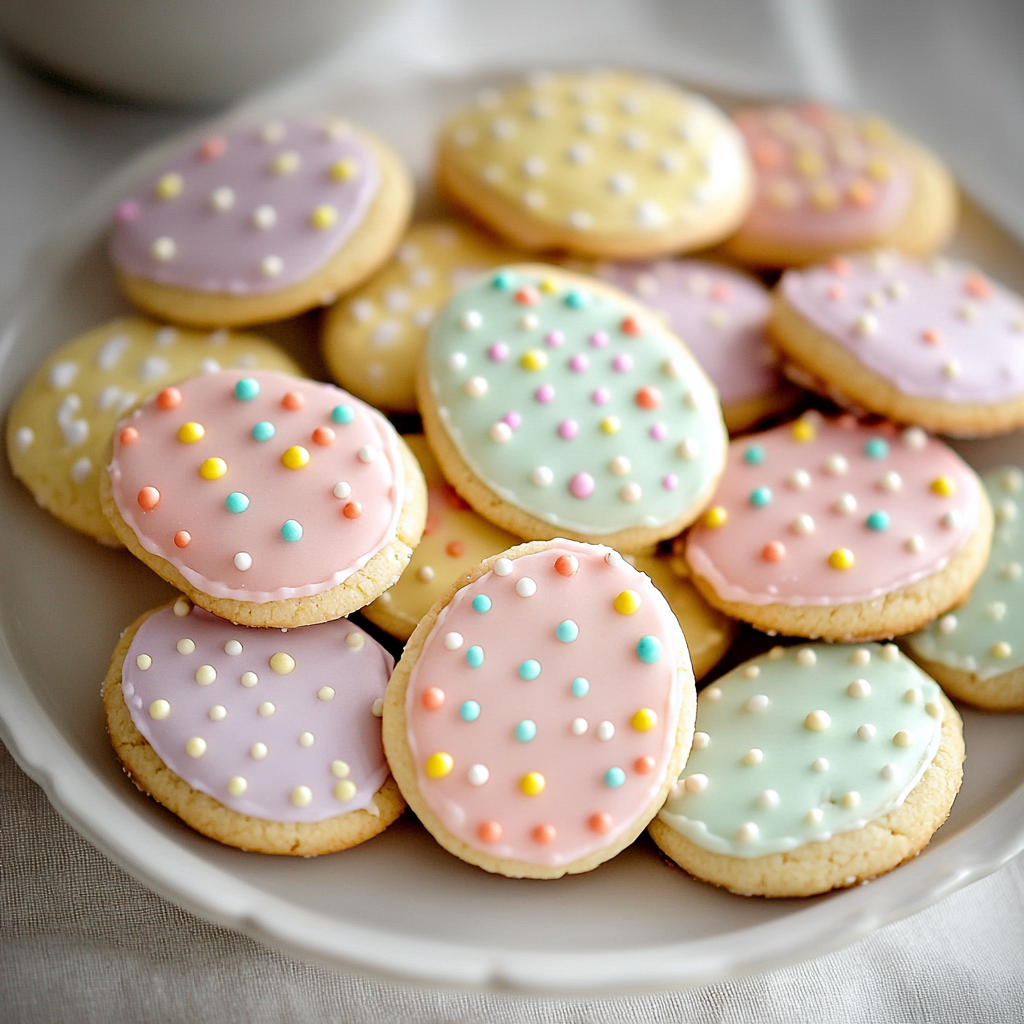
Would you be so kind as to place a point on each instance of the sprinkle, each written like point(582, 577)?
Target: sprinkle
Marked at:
point(503, 566)
point(439, 765)
point(773, 551)
point(149, 498)
point(526, 730)
point(185, 646)
point(716, 516)
point(250, 679)
point(169, 398)
point(205, 675)
point(799, 480)
point(582, 484)
point(761, 497)
point(846, 504)
point(469, 711)
point(243, 561)
point(169, 186)
point(914, 437)
point(713, 693)
point(529, 669)
point(490, 832)
point(266, 709)
point(344, 169)
point(343, 414)
point(236, 502)
point(542, 476)
point(631, 493)
point(914, 544)
point(291, 530)
point(535, 359)
point(944, 486)
point(295, 457)
point(532, 784)
point(566, 565)
point(476, 387)
point(754, 455)
point(195, 747)
point(567, 631)
point(649, 650)
point(352, 510)
point(878, 521)
point(817, 721)
point(626, 602)
point(478, 775)
point(820, 764)
point(1001, 649)
point(841, 558)
point(859, 688)
point(159, 710)
point(323, 217)
point(433, 698)
point(605, 731)
point(620, 465)
point(806, 657)
point(258, 751)
point(475, 656)
point(803, 431)
point(747, 832)
point(951, 520)
point(282, 663)
point(579, 726)
point(213, 469)
point(867, 732)
point(644, 720)
point(903, 738)
point(580, 687)
point(614, 778)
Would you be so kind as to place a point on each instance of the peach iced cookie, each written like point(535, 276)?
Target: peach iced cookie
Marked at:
point(541, 710)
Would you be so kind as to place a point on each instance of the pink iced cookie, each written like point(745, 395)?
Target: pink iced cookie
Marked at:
point(841, 530)
point(268, 499)
point(722, 318)
point(829, 181)
point(539, 716)
point(283, 727)
point(930, 342)
point(252, 216)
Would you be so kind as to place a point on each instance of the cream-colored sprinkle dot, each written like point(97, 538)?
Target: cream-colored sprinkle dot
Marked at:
point(806, 657)
point(500, 433)
point(1012, 571)
point(913, 695)
point(701, 740)
point(1001, 649)
point(818, 721)
point(143, 662)
point(836, 465)
point(903, 738)
point(217, 713)
point(867, 732)
point(325, 693)
point(605, 731)
point(340, 769)
point(814, 816)
point(357, 641)
point(820, 764)
point(747, 832)
point(195, 747)
point(759, 702)
point(752, 671)
point(344, 791)
point(264, 217)
point(846, 504)
point(866, 325)
point(860, 657)
point(914, 544)
point(306, 739)
point(620, 465)
point(996, 610)
point(233, 648)
point(914, 437)
point(222, 199)
point(768, 800)
point(695, 783)
point(182, 607)
point(301, 796)
point(159, 709)
point(859, 688)
point(890, 481)
point(258, 751)
point(185, 646)
point(934, 709)
point(282, 663)
point(249, 680)
point(457, 361)
point(205, 675)
point(688, 449)
point(476, 387)
point(1006, 510)
point(266, 709)
point(712, 693)
point(951, 369)
point(377, 708)
point(799, 480)
point(526, 587)
point(542, 476)
point(752, 757)
point(237, 785)
point(888, 772)
point(579, 726)
point(803, 524)
point(631, 493)
point(851, 799)
point(889, 652)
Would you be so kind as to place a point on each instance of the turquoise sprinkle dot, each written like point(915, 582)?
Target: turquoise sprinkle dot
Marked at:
point(526, 730)
point(878, 520)
point(236, 501)
point(648, 649)
point(291, 530)
point(481, 603)
point(760, 497)
point(470, 711)
point(529, 669)
point(876, 448)
point(343, 414)
point(264, 430)
point(580, 686)
point(567, 631)
point(577, 299)
point(755, 455)
point(504, 280)
point(614, 777)
point(247, 389)
point(475, 657)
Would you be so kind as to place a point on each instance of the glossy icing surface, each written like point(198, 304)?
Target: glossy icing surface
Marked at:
point(803, 743)
point(275, 712)
point(293, 453)
point(981, 635)
point(936, 328)
point(571, 407)
point(567, 688)
point(253, 209)
point(823, 177)
point(795, 498)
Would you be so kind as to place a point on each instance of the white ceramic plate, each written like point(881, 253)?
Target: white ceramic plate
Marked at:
point(400, 904)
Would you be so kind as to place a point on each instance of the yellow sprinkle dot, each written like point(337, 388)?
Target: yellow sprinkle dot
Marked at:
point(841, 558)
point(879, 169)
point(195, 747)
point(213, 469)
point(1001, 649)
point(282, 663)
point(356, 641)
point(286, 162)
point(237, 785)
point(809, 163)
point(825, 196)
point(295, 457)
point(944, 486)
point(716, 516)
point(532, 784)
point(324, 217)
point(439, 765)
point(548, 286)
point(535, 359)
point(302, 796)
point(803, 431)
point(344, 790)
point(189, 433)
point(611, 425)
point(644, 720)
point(159, 709)
point(169, 186)
point(345, 170)
point(627, 602)
point(875, 130)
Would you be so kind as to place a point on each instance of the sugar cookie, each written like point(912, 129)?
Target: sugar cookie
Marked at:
point(935, 342)
point(259, 223)
point(268, 499)
point(372, 338)
point(260, 740)
point(601, 164)
point(841, 530)
point(557, 405)
point(541, 710)
point(827, 182)
point(60, 426)
point(813, 768)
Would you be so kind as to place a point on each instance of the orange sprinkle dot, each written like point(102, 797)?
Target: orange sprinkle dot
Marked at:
point(840, 266)
point(768, 154)
point(212, 148)
point(977, 285)
point(600, 822)
point(862, 193)
point(774, 551)
point(567, 565)
point(527, 296)
point(455, 548)
point(182, 539)
point(836, 293)
point(644, 765)
point(632, 326)
point(544, 834)
point(323, 436)
point(169, 398)
point(648, 397)
point(352, 510)
point(930, 336)
point(128, 436)
point(433, 698)
point(490, 832)
point(293, 401)
point(149, 498)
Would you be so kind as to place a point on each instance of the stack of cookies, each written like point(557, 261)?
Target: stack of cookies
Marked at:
point(572, 541)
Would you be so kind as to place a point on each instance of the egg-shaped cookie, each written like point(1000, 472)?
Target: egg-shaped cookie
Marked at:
point(260, 221)
point(261, 739)
point(602, 163)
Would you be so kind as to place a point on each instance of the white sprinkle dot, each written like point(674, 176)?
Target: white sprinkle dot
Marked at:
point(914, 544)
point(243, 561)
point(526, 587)
point(695, 783)
point(799, 480)
point(846, 504)
point(478, 774)
point(503, 566)
point(914, 437)
point(476, 387)
point(233, 648)
point(24, 438)
point(613, 558)
point(889, 652)
point(164, 249)
point(457, 361)
point(579, 726)
point(471, 319)
point(836, 465)
point(605, 731)
point(500, 433)
point(712, 693)
point(806, 657)
point(851, 799)
point(701, 740)
point(301, 796)
point(903, 738)
point(753, 756)
point(818, 721)
point(249, 680)
point(367, 453)
point(891, 481)
point(820, 764)
point(859, 688)
point(752, 671)
point(803, 524)
point(814, 816)
point(768, 799)
point(759, 702)
point(867, 732)
point(688, 449)
point(453, 641)
point(934, 709)
point(747, 832)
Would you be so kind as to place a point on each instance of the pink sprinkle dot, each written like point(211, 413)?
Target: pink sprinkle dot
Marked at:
point(568, 429)
point(513, 419)
point(599, 339)
point(127, 211)
point(554, 338)
point(659, 431)
point(498, 351)
point(721, 291)
point(622, 363)
point(581, 485)
point(670, 481)
point(601, 396)
point(544, 394)
point(836, 293)
point(579, 363)
point(212, 148)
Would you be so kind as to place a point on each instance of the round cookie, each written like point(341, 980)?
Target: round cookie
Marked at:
point(721, 315)
point(813, 768)
point(455, 539)
point(558, 406)
point(935, 342)
point(60, 426)
point(372, 338)
point(541, 710)
point(601, 164)
point(841, 530)
point(827, 181)
point(268, 499)
point(262, 741)
point(259, 223)
point(974, 651)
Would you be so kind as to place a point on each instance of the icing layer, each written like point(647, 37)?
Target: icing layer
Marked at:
point(826, 512)
point(554, 745)
point(572, 406)
point(253, 209)
point(935, 328)
point(275, 724)
point(282, 492)
point(803, 743)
